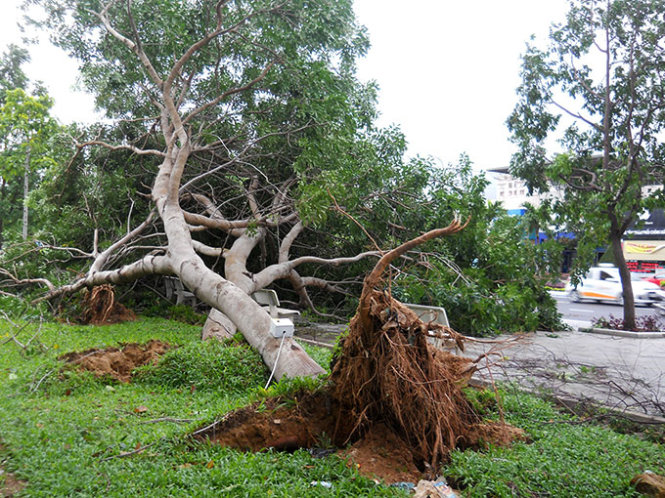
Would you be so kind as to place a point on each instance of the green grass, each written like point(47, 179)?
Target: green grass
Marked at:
point(62, 430)
point(567, 457)
point(59, 436)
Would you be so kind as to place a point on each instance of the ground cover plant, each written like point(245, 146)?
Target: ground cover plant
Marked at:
point(63, 431)
point(649, 323)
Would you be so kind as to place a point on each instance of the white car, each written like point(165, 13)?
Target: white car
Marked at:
point(602, 283)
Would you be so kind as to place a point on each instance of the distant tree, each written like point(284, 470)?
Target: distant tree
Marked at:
point(12, 75)
point(603, 70)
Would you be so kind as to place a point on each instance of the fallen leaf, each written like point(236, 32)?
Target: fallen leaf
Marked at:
point(210, 464)
point(140, 409)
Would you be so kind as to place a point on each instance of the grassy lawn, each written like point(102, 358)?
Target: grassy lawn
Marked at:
point(62, 431)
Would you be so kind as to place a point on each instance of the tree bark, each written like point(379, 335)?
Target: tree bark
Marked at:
point(626, 285)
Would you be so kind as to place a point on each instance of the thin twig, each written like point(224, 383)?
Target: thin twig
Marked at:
point(169, 419)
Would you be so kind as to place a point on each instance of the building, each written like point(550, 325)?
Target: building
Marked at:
point(644, 242)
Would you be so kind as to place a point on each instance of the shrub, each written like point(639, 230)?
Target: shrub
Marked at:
point(642, 323)
point(207, 365)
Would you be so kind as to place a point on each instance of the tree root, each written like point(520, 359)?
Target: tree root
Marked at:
point(386, 372)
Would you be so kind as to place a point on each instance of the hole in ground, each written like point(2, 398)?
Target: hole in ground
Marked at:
point(117, 362)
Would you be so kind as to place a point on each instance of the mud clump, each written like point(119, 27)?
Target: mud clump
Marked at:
point(381, 453)
point(117, 363)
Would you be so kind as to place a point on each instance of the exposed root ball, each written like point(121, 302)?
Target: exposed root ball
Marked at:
point(100, 307)
point(386, 373)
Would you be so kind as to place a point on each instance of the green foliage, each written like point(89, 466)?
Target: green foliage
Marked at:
point(207, 365)
point(180, 312)
point(12, 75)
point(484, 401)
point(290, 388)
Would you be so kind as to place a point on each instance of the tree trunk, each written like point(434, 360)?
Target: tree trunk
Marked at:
point(252, 320)
point(218, 326)
point(626, 285)
point(230, 299)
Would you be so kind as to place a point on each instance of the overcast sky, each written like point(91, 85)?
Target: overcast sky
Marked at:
point(447, 71)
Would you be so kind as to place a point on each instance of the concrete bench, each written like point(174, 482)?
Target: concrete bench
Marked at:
point(173, 286)
point(434, 314)
point(268, 299)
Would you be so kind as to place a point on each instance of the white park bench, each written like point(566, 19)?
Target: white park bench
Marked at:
point(268, 299)
point(429, 313)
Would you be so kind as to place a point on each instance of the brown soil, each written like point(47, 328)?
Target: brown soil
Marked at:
point(310, 421)
point(101, 308)
point(117, 362)
point(9, 485)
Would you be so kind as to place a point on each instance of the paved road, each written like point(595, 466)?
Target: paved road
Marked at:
point(585, 312)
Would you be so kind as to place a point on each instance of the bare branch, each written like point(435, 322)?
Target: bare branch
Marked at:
point(206, 249)
point(150, 264)
point(131, 148)
point(577, 116)
point(228, 93)
point(26, 281)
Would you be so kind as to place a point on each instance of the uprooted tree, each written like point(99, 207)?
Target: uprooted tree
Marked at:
point(249, 119)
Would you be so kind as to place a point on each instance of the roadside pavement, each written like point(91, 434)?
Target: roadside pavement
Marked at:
point(624, 374)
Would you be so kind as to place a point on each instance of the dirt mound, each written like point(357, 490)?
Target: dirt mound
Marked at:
point(101, 308)
point(381, 453)
point(312, 423)
point(117, 362)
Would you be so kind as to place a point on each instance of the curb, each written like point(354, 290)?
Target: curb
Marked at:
point(622, 333)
